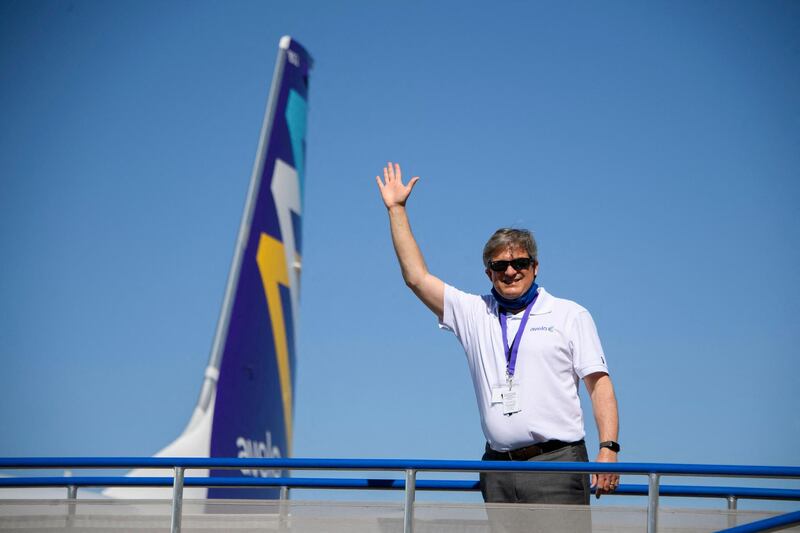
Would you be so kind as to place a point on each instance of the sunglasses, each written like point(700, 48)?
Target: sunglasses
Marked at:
point(520, 263)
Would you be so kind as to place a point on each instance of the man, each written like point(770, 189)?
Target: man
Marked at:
point(526, 352)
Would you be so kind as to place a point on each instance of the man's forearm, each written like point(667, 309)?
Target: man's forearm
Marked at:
point(604, 406)
point(412, 264)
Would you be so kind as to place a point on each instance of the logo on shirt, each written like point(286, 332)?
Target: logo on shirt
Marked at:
point(543, 328)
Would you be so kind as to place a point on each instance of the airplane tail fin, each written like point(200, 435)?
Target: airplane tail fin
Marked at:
point(246, 402)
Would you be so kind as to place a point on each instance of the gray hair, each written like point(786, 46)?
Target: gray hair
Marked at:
point(509, 237)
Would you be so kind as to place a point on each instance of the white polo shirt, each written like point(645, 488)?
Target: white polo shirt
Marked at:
point(559, 347)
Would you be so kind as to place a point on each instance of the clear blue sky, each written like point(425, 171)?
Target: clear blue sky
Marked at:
point(653, 148)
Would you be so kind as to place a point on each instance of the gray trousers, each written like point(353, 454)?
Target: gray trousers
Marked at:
point(538, 487)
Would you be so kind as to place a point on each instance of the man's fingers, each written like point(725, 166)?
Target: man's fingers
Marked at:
point(604, 483)
point(612, 482)
point(393, 176)
point(380, 183)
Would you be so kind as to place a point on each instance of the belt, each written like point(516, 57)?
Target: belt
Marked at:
point(527, 452)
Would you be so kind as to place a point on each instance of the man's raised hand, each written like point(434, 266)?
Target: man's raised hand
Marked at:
point(393, 192)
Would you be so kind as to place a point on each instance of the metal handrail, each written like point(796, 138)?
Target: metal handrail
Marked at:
point(430, 465)
point(441, 485)
point(409, 485)
point(767, 524)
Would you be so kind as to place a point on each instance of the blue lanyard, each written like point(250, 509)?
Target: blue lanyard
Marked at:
point(511, 351)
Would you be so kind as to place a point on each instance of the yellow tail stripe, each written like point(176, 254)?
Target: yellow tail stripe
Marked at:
point(272, 265)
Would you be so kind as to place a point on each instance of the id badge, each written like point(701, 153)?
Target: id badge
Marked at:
point(511, 403)
point(497, 394)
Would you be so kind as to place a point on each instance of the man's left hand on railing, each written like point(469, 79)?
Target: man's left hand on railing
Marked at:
point(605, 483)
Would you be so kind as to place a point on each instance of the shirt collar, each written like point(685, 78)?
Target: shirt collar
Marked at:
point(543, 303)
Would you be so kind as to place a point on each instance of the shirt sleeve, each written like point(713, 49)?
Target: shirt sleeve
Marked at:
point(459, 309)
point(587, 353)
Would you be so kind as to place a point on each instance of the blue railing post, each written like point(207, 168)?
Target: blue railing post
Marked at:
point(652, 503)
point(72, 496)
point(283, 509)
point(732, 500)
point(408, 509)
point(177, 500)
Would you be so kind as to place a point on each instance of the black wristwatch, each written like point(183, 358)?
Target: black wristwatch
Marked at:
point(611, 445)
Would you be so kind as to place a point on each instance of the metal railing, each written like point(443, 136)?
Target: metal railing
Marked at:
point(653, 490)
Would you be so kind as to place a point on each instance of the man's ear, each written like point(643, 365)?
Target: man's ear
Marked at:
point(488, 274)
point(535, 269)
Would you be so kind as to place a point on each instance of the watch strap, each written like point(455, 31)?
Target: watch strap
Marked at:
point(611, 445)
